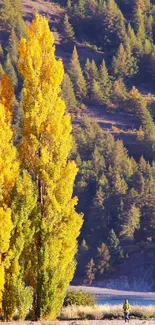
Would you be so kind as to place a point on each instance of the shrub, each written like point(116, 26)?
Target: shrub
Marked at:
point(79, 298)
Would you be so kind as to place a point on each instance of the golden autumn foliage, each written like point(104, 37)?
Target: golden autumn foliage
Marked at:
point(8, 174)
point(44, 149)
point(16, 296)
point(7, 96)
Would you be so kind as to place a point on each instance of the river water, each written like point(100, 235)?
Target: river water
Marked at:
point(141, 302)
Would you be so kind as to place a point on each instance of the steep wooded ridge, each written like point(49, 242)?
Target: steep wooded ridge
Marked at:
point(108, 51)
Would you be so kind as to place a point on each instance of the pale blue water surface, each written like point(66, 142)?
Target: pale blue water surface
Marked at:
point(142, 302)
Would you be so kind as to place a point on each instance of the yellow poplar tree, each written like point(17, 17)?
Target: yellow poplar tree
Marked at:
point(16, 296)
point(45, 148)
point(8, 174)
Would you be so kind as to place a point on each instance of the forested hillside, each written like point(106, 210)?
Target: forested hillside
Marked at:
point(108, 51)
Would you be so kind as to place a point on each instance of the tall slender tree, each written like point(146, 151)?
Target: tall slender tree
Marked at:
point(86, 71)
point(76, 75)
point(68, 30)
point(68, 93)
point(8, 175)
point(9, 69)
point(115, 249)
point(45, 148)
point(113, 24)
point(105, 82)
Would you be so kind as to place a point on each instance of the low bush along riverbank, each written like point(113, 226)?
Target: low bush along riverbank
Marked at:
point(98, 312)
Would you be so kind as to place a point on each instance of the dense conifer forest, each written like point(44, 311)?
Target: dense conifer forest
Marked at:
point(115, 180)
point(115, 183)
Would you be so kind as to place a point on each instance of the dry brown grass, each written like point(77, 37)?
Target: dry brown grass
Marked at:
point(101, 312)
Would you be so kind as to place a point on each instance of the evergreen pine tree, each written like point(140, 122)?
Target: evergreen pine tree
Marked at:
point(139, 104)
point(20, 28)
point(115, 249)
point(139, 20)
point(131, 221)
point(7, 15)
point(149, 27)
point(82, 258)
point(131, 37)
point(90, 272)
point(87, 69)
point(113, 24)
point(147, 49)
point(96, 93)
point(147, 220)
point(119, 62)
point(68, 93)
point(68, 30)
point(11, 17)
point(80, 8)
point(83, 246)
point(10, 71)
point(76, 75)
point(103, 258)
point(119, 92)
point(138, 17)
point(141, 35)
point(13, 47)
point(132, 67)
point(97, 221)
point(105, 82)
point(93, 71)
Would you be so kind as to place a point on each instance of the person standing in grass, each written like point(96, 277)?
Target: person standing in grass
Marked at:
point(126, 308)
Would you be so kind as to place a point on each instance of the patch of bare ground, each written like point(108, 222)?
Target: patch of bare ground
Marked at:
point(84, 52)
point(53, 12)
point(83, 322)
point(46, 8)
point(121, 120)
point(122, 125)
